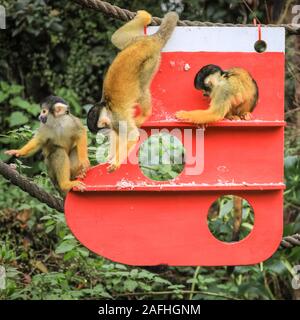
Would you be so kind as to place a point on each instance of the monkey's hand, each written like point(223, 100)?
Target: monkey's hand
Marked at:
point(183, 115)
point(145, 16)
point(16, 153)
point(83, 168)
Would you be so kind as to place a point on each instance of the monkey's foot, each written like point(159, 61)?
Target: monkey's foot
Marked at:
point(246, 116)
point(83, 168)
point(145, 16)
point(15, 153)
point(233, 117)
point(67, 186)
point(114, 165)
point(78, 185)
point(81, 174)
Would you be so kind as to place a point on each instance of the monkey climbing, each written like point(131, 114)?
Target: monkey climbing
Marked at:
point(127, 83)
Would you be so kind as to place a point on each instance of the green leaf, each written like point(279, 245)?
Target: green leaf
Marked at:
point(161, 280)
point(69, 237)
point(3, 96)
point(130, 285)
point(25, 105)
point(15, 89)
point(17, 118)
point(134, 273)
point(84, 252)
point(120, 266)
point(65, 247)
point(50, 228)
point(226, 208)
point(290, 161)
point(4, 86)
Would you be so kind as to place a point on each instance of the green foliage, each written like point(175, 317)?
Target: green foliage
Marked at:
point(161, 157)
point(72, 272)
point(292, 174)
point(46, 50)
point(100, 152)
point(221, 219)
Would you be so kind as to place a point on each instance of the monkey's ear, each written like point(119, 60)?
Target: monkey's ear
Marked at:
point(60, 109)
point(92, 119)
point(226, 74)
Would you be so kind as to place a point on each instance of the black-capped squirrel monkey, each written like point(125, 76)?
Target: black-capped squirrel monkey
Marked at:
point(127, 83)
point(63, 140)
point(233, 94)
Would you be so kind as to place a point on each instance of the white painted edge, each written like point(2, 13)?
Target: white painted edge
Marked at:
point(222, 39)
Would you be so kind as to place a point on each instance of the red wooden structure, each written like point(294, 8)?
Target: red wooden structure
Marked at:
point(126, 217)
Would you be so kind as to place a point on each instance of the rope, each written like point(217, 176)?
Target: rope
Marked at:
point(56, 203)
point(28, 186)
point(125, 15)
point(290, 241)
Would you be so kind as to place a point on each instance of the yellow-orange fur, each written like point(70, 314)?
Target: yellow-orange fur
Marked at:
point(63, 141)
point(233, 96)
point(128, 79)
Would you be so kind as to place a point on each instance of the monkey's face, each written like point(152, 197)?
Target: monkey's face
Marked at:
point(53, 107)
point(212, 81)
point(207, 77)
point(99, 117)
point(44, 115)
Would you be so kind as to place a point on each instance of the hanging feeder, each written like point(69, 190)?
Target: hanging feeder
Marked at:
point(129, 218)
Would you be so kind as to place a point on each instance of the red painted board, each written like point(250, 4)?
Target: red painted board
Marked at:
point(151, 222)
point(173, 87)
point(224, 157)
point(150, 228)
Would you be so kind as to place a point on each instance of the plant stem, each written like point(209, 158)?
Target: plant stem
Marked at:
point(194, 282)
point(154, 293)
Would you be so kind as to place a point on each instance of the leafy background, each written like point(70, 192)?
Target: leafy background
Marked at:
point(56, 47)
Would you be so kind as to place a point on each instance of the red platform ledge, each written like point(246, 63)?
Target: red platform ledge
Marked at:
point(224, 123)
point(98, 179)
point(131, 186)
point(128, 186)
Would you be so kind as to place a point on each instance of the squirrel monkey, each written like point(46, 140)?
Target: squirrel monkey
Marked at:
point(63, 140)
point(127, 83)
point(233, 94)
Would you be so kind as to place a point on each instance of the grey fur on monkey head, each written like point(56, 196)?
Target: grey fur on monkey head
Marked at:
point(49, 103)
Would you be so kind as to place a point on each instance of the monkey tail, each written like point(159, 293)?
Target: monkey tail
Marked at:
point(166, 28)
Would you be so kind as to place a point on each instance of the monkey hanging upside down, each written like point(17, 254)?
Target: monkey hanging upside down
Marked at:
point(63, 140)
point(233, 94)
point(127, 83)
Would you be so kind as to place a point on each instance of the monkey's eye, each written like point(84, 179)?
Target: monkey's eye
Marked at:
point(44, 111)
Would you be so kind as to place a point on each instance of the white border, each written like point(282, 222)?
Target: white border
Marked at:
point(223, 39)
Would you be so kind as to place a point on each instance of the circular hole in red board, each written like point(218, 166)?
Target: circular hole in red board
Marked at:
point(260, 46)
point(161, 157)
point(230, 218)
